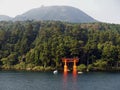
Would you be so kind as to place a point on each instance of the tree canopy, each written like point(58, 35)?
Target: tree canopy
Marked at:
point(45, 43)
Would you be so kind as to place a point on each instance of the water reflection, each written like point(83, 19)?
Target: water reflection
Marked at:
point(65, 74)
point(67, 80)
point(75, 80)
point(74, 74)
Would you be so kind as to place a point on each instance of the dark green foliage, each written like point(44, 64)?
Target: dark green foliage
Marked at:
point(30, 44)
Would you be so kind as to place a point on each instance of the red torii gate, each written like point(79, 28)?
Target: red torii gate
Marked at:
point(74, 60)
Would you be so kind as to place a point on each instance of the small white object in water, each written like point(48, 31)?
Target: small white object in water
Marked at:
point(80, 72)
point(55, 72)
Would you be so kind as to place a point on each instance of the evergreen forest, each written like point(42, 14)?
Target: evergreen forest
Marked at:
point(41, 45)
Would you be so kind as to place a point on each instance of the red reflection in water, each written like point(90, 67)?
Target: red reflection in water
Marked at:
point(66, 78)
point(75, 80)
point(65, 74)
point(74, 75)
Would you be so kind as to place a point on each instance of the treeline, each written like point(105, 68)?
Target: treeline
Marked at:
point(40, 45)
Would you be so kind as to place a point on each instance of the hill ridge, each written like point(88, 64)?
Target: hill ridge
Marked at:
point(56, 13)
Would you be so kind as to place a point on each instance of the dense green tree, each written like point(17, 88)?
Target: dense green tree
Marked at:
point(37, 44)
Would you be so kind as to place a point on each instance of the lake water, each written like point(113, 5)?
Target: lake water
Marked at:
point(11, 80)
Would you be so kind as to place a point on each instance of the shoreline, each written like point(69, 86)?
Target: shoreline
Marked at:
point(47, 69)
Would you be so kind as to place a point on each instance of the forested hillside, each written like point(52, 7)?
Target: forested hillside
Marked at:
point(37, 45)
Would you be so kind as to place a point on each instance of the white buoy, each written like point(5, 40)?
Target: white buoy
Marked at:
point(80, 72)
point(55, 72)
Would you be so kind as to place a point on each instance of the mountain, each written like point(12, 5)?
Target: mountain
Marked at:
point(5, 18)
point(56, 13)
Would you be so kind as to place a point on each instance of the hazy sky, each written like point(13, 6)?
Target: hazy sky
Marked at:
point(102, 10)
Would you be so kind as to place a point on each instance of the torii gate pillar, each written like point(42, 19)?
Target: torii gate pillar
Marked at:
point(74, 66)
point(65, 66)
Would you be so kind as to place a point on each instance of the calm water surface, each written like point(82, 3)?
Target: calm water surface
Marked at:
point(10, 80)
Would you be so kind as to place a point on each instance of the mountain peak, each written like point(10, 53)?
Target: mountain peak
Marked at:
point(56, 13)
